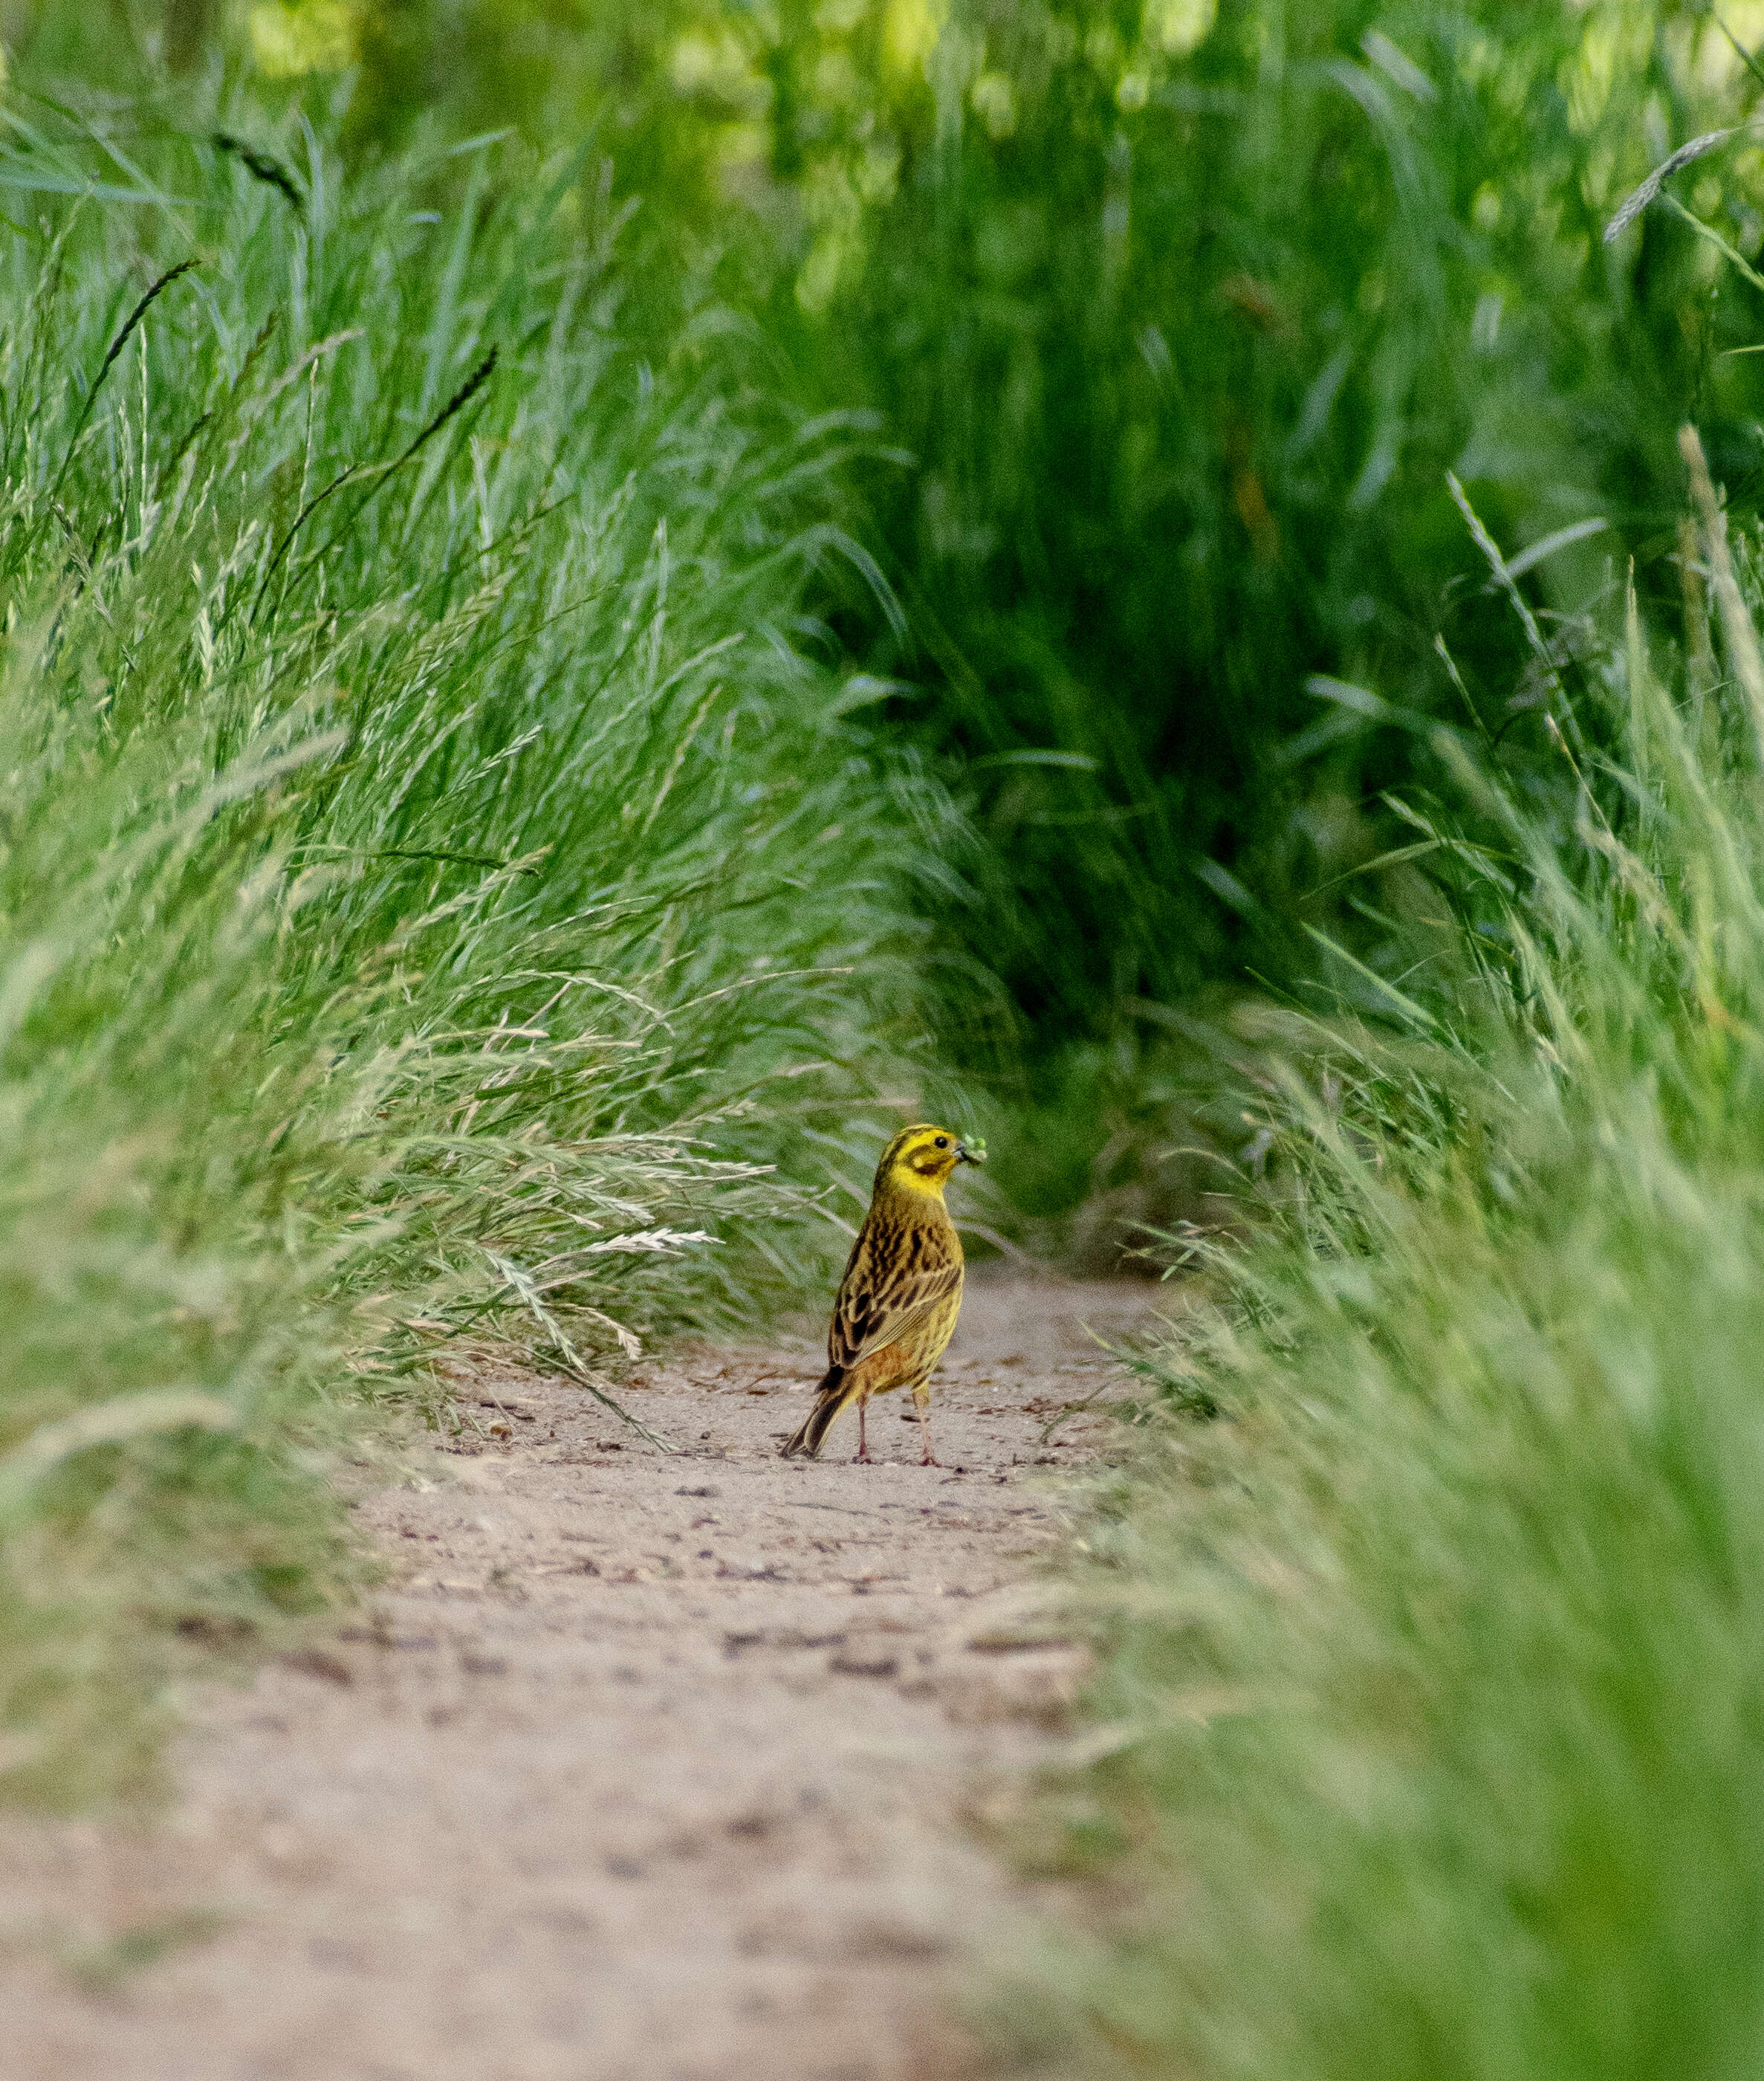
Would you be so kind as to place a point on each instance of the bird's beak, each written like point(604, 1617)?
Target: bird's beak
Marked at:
point(970, 1152)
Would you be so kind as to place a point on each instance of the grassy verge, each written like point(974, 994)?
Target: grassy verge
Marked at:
point(1434, 1661)
point(438, 883)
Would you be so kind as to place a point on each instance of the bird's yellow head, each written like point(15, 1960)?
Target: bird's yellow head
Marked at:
point(921, 1159)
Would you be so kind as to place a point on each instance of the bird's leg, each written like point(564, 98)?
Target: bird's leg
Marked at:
point(921, 1402)
point(863, 1452)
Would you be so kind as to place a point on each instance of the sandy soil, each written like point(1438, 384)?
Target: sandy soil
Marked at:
point(639, 1768)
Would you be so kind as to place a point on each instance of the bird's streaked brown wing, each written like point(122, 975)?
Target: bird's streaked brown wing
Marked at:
point(895, 1276)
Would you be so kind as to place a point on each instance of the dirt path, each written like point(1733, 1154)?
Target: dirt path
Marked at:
point(638, 1770)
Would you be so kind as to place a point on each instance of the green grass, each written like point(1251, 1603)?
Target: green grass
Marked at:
point(1171, 318)
point(441, 885)
point(1435, 1664)
point(1183, 331)
point(1174, 317)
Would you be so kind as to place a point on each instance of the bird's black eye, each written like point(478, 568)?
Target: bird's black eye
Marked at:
point(942, 1142)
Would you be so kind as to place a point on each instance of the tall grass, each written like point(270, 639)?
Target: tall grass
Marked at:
point(1174, 314)
point(1184, 311)
point(1434, 1661)
point(439, 886)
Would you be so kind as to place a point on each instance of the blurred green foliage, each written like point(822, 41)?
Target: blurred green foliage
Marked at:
point(1172, 318)
point(1186, 345)
point(1182, 312)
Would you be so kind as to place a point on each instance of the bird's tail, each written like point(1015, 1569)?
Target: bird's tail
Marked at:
point(829, 1399)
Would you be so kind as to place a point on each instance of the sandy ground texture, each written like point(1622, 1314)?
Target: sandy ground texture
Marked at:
point(638, 1768)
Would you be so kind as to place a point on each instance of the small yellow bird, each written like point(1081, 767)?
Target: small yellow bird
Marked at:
point(902, 1289)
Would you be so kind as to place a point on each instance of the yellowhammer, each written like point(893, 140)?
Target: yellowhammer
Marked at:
point(902, 1289)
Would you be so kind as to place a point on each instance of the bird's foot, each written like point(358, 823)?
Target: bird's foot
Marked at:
point(861, 1457)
